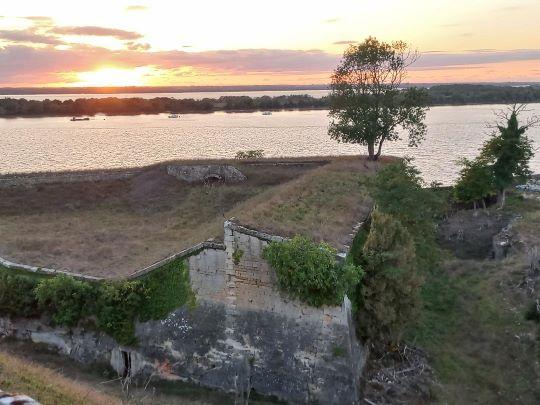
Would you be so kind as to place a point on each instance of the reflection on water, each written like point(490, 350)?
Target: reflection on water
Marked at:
point(55, 143)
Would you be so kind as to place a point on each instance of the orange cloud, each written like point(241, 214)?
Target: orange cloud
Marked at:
point(23, 65)
point(97, 31)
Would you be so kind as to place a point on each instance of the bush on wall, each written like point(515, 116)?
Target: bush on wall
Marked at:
point(310, 271)
point(113, 307)
point(118, 307)
point(66, 299)
point(17, 294)
point(167, 288)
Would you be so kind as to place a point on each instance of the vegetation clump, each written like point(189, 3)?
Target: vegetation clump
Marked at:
point(166, 289)
point(503, 162)
point(249, 154)
point(396, 248)
point(475, 182)
point(16, 294)
point(388, 299)
point(398, 190)
point(66, 299)
point(118, 306)
point(112, 307)
point(311, 272)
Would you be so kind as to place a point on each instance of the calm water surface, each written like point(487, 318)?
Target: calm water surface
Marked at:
point(55, 143)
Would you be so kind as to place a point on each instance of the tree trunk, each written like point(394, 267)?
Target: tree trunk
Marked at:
point(474, 208)
point(379, 149)
point(484, 203)
point(502, 198)
point(371, 151)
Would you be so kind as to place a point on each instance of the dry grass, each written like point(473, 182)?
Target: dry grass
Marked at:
point(325, 203)
point(45, 385)
point(113, 228)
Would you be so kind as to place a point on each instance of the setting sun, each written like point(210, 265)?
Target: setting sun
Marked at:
point(112, 77)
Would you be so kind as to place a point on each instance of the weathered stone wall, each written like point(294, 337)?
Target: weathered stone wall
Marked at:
point(28, 180)
point(243, 334)
point(203, 173)
point(189, 173)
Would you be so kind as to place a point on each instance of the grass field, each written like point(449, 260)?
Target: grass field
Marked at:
point(112, 228)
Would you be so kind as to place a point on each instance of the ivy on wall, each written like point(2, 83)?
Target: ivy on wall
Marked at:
point(111, 307)
point(310, 271)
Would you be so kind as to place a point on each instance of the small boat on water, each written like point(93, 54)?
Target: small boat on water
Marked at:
point(267, 113)
point(80, 119)
point(173, 115)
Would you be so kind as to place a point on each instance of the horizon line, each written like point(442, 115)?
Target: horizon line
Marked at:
point(36, 90)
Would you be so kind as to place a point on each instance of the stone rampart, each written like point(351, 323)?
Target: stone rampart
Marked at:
point(28, 180)
point(243, 334)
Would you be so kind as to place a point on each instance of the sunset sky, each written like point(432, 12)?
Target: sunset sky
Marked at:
point(241, 42)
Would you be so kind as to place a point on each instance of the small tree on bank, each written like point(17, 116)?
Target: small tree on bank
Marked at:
point(367, 105)
point(475, 182)
point(509, 151)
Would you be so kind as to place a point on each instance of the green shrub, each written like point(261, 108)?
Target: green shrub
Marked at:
point(17, 297)
point(475, 181)
point(166, 289)
point(310, 272)
point(250, 154)
point(398, 190)
point(118, 306)
point(66, 299)
point(113, 306)
point(388, 299)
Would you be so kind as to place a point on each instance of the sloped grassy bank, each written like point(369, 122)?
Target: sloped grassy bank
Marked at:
point(110, 306)
point(474, 324)
point(47, 385)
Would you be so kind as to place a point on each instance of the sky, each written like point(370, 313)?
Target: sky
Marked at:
point(247, 42)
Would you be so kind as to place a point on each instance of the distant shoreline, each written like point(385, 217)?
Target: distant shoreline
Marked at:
point(440, 95)
point(212, 89)
point(155, 89)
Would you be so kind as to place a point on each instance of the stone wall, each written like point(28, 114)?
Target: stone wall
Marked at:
point(206, 173)
point(243, 334)
point(189, 173)
point(28, 180)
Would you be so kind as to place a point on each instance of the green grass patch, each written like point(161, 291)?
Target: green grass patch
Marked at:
point(330, 190)
point(473, 335)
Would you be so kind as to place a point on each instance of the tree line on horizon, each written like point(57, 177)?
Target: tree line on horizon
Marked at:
point(455, 94)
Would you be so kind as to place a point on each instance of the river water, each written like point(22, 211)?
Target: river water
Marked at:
point(55, 143)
